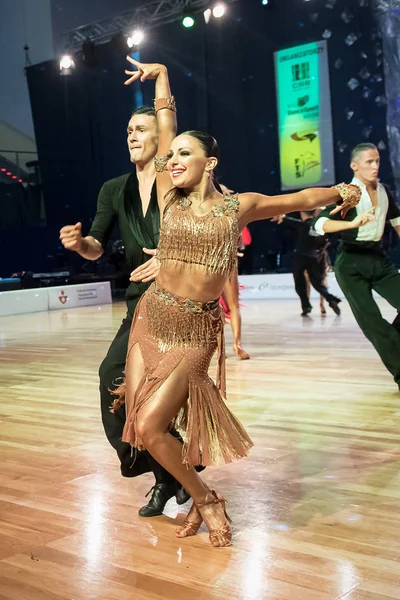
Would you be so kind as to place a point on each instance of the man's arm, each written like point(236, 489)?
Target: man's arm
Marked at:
point(92, 246)
point(393, 211)
point(87, 247)
point(327, 223)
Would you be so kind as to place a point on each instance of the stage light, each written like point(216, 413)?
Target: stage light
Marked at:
point(207, 15)
point(3, 170)
point(188, 21)
point(9, 173)
point(20, 181)
point(66, 62)
point(136, 38)
point(14, 177)
point(219, 10)
point(264, 2)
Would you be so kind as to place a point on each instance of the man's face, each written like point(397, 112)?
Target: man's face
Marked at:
point(366, 166)
point(142, 138)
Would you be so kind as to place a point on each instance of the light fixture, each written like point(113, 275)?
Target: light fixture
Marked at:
point(136, 38)
point(188, 22)
point(207, 15)
point(67, 64)
point(264, 2)
point(188, 19)
point(219, 10)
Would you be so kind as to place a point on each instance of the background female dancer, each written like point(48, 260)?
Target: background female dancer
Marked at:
point(230, 298)
point(178, 323)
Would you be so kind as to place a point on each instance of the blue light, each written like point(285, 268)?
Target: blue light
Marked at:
point(264, 2)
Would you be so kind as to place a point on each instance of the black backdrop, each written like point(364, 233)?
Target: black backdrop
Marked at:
point(222, 75)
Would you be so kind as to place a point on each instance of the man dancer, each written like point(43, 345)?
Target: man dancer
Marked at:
point(130, 200)
point(361, 265)
point(309, 250)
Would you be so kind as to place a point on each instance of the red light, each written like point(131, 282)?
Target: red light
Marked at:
point(14, 177)
point(3, 170)
point(8, 173)
point(20, 181)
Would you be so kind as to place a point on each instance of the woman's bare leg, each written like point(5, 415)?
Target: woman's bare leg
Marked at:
point(153, 421)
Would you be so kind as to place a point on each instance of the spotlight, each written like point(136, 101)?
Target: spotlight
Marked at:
point(20, 181)
point(14, 177)
point(207, 15)
point(136, 38)
point(67, 64)
point(188, 19)
point(264, 2)
point(3, 170)
point(188, 22)
point(219, 10)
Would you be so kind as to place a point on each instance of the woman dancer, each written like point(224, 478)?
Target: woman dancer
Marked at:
point(178, 324)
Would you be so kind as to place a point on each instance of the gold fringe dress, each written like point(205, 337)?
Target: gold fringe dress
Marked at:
point(170, 329)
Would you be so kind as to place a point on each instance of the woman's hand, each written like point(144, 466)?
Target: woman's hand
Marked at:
point(350, 195)
point(144, 71)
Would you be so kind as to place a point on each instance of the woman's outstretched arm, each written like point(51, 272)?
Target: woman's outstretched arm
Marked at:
point(255, 207)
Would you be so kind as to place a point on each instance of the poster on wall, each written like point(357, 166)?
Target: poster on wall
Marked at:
point(304, 116)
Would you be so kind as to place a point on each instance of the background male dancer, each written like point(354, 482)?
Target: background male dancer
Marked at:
point(361, 264)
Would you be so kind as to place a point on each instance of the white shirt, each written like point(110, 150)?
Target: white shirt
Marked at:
point(373, 230)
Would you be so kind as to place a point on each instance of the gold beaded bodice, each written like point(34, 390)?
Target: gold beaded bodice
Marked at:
point(210, 240)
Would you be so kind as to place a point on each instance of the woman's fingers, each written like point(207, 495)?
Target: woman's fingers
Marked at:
point(133, 61)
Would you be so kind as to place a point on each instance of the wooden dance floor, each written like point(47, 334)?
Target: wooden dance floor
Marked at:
point(315, 508)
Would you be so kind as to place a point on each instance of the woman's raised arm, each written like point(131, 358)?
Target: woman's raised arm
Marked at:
point(164, 105)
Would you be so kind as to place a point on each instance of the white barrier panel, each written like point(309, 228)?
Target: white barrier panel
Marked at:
point(72, 296)
point(279, 286)
point(19, 302)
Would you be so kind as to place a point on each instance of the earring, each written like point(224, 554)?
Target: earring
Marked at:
point(208, 173)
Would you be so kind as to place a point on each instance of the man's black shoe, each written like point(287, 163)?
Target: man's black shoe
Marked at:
point(335, 306)
point(181, 494)
point(307, 311)
point(162, 492)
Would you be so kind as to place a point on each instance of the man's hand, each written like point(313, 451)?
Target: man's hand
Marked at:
point(149, 270)
point(363, 219)
point(71, 237)
point(278, 219)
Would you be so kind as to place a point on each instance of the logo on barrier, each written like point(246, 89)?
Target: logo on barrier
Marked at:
point(63, 298)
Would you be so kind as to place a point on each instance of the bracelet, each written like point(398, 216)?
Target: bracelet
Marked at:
point(350, 196)
point(168, 103)
point(160, 163)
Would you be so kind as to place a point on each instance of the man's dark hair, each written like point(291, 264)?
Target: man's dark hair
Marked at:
point(361, 148)
point(144, 110)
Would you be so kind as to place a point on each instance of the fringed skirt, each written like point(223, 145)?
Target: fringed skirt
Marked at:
point(170, 329)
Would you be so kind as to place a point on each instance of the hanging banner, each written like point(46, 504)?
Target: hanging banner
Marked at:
point(304, 116)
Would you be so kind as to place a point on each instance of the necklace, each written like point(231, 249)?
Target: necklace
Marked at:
point(186, 202)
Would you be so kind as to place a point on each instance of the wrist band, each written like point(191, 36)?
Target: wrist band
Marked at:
point(168, 103)
point(160, 163)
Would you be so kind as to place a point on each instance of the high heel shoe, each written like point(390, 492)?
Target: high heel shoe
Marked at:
point(190, 527)
point(240, 353)
point(222, 534)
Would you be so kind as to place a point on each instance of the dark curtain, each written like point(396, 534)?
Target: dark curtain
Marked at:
point(222, 75)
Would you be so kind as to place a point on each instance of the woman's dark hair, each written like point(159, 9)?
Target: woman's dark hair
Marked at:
point(211, 149)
